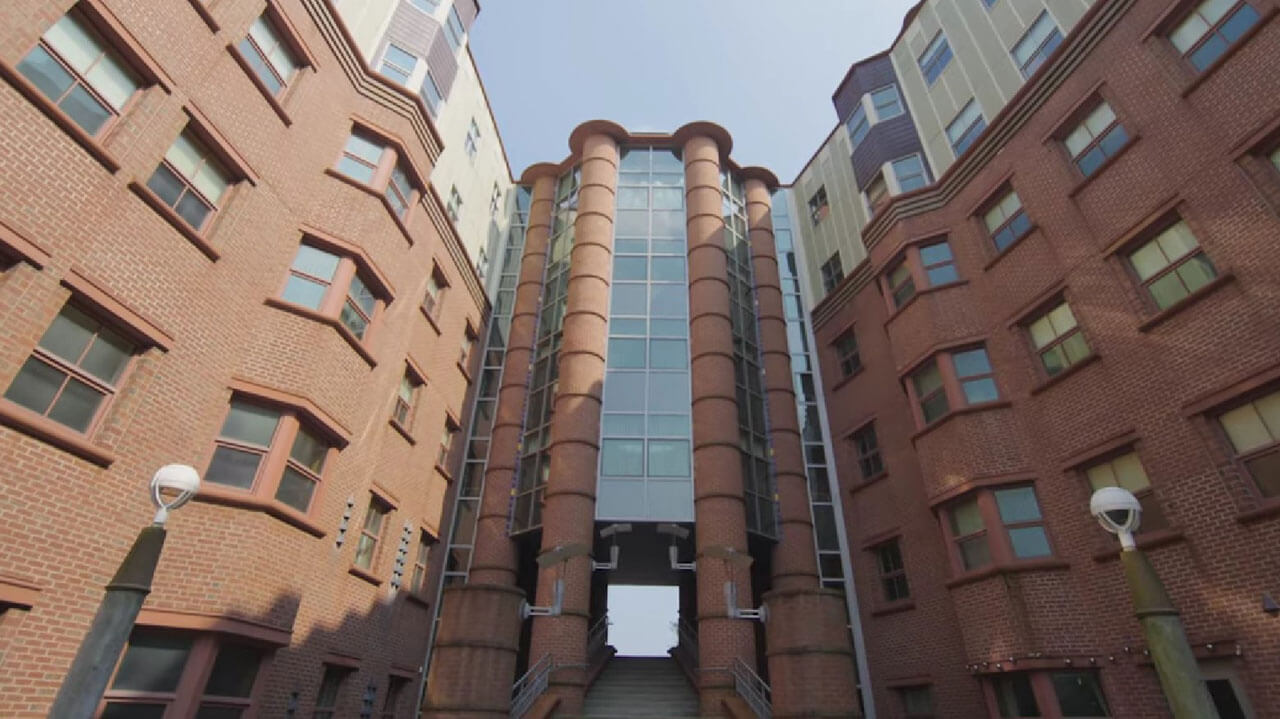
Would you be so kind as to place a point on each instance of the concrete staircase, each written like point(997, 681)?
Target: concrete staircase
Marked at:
point(634, 687)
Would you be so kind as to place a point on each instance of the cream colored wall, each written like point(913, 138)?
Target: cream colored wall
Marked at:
point(981, 67)
point(841, 230)
point(367, 20)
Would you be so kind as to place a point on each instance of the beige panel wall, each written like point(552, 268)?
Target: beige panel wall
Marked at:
point(367, 20)
point(841, 230)
point(981, 67)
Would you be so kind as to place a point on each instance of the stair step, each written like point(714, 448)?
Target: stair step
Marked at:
point(641, 688)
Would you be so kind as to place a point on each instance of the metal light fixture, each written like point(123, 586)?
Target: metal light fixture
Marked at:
point(172, 486)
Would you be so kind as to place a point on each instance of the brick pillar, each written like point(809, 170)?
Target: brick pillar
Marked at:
point(474, 661)
point(717, 470)
point(568, 515)
point(811, 668)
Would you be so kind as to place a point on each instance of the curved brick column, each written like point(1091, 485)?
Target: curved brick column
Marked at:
point(474, 663)
point(810, 658)
point(568, 515)
point(717, 470)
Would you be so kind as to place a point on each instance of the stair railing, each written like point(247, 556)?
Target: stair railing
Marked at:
point(597, 638)
point(753, 690)
point(529, 687)
point(687, 643)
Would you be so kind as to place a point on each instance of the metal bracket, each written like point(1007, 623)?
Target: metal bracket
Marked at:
point(731, 603)
point(610, 565)
point(673, 553)
point(346, 521)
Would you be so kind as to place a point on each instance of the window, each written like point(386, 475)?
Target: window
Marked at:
point(996, 525)
point(269, 57)
point(818, 206)
point(877, 194)
point(916, 701)
point(419, 575)
point(371, 533)
point(935, 58)
point(910, 173)
point(1172, 265)
point(465, 347)
point(973, 369)
point(427, 6)
point(1057, 339)
point(1225, 691)
point(966, 127)
point(332, 285)
point(430, 92)
point(902, 285)
point(847, 353)
point(1077, 693)
point(434, 298)
point(453, 29)
point(868, 449)
point(157, 661)
point(1099, 137)
point(1275, 158)
point(887, 102)
point(893, 578)
point(939, 264)
point(252, 439)
point(471, 144)
point(190, 180)
point(376, 165)
point(930, 392)
point(1006, 221)
point(832, 272)
point(391, 703)
point(495, 203)
point(81, 74)
point(74, 371)
point(399, 192)
point(406, 397)
point(330, 689)
point(454, 206)
point(1210, 29)
point(1126, 471)
point(1039, 42)
point(1253, 429)
point(446, 442)
point(858, 125)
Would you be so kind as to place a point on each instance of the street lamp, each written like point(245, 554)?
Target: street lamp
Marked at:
point(1120, 513)
point(82, 688)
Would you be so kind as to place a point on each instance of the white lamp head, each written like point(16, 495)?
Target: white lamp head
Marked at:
point(173, 486)
point(1118, 511)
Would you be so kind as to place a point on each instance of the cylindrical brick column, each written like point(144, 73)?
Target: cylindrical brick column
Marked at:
point(474, 660)
point(717, 470)
point(568, 515)
point(810, 656)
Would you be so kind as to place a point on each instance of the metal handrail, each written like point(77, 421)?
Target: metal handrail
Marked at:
point(687, 642)
point(529, 687)
point(597, 637)
point(753, 690)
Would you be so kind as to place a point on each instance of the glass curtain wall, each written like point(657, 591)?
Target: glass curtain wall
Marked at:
point(748, 372)
point(646, 470)
point(535, 458)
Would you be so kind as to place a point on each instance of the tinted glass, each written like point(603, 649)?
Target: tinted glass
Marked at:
point(210, 711)
point(233, 467)
point(166, 184)
point(295, 489)
point(622, 457)
point(77, 405)
point(116, 710)
point(35, 385)
point(1079, 694)
point(250, 423)
point(234, 671)
point(1017, 505)
point(668, 354)
point(309, 451)
point(45, 73)
point(668, 458)
point(152, 662)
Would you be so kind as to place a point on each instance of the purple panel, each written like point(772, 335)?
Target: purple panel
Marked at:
point(861, 79)
point(443, 64)
point(467, 11)
point(412, 30)
point(886, 141)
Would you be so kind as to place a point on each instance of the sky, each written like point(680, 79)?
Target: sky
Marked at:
point(642, 619)
point(764, 69)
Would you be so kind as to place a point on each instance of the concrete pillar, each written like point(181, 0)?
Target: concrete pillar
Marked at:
point(568, 515)
point(718, 492)
point(474, 661)
point(811, 666)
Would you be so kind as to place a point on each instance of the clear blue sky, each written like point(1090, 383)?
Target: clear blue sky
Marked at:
point(765, 70)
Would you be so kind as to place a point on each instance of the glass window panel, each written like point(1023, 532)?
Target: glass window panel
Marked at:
point(975, 552)
point(295, 489)
point(623, 326)
point(942, 275)
point(965, 517)
point(628, 299)
point(631, 223)
point(668, 268)
point(668, 223)
point(1168, 290)
point(1042, 332)
point(234, 671)
point(166, 185)
point(364, 148)
point(622, 499)
point(624, 245)
point(250, 423)
point(626, 353)
point(669, 392)
point(233, 467)
point(668, 198)
point(1029, 542)
point(630, 268)
point(184, 155)
point(1196, 272)
point(45, 73)
point(622, 457)
point(1017, 505)
point(35, 385)
point(211, 711)
point(934, 254)
point(633, 198)
point(624, 391)
point(980, 390)
point(1269, 409)
point(1245, 428)
point(668, 328)
point(668, 354)
point(670, 300)
point(1099, 119)
point(668, 458)
point(624, 425)
point(69, 334)
point(130, 710)
point(315, 262)
point(85, 110)
point(667, 161)
point(669, 425)
point(634, 160)
point(1129, 473)
point(669, 179)
point(927, 380)
point(1079, 694)
point(352, 320)
point(971, 362)
point(73, 42)
point(669, 500)
point(669, 247)
point(192, 210)
point(1265, 471)
point(77, 405)
point(1014, 696)
point(153, 662)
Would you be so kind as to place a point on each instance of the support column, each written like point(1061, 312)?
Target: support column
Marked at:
point(568, 515)
point(811, 667)
point(474, 661)
point(717, 470)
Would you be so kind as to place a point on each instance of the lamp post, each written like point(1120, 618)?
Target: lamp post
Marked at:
point(1119, 512)
point(171, 487)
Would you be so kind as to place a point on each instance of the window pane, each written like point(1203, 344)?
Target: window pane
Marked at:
point(307, 293)
point(1079, 694)
point(192, 210)
point(668, 268)
point(35, 385)
point(250, 423)
point(669, 425)
point(620, 498)
point(625, 425)
point(965, 518)
point(624, 391)
point(1129, 473)
point(117, 710)
point(622, 457)
point(295, 489)
point(668, 354)
point(234, 671)
point(628, 299)
point(971, 363)
point(166, 185)
point(45, 73)
point(669, 500)
point(353, 320)
point(309, 451)
point(1014, 696)
point(632, 223)
point(1245, 428)
point(315, 262)
point(69, 334)
point(978, 391)
point(942, 275)
point(670, 300)
point(668, 328)
point(668, 223)
point(73, 42)
point(209, 711)
point(1196, 272)
point(668, 458)
point(669, 392)
point(85, 110)
point(1265, 470)
point(233, 467)
point(621, 326)
point(1168, 290)
point(153, 662)
point(1029, 542)
point(633, 198)
point(1017, 505)
point(77, 405)
point(626, 353)
point(630, 268)
point(211, 180)
point(668, 198)
point(974, 552)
